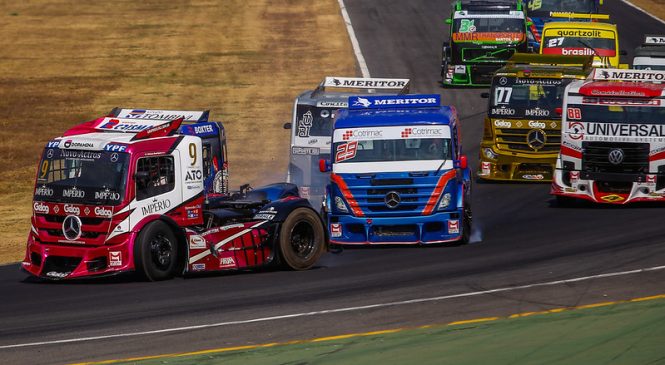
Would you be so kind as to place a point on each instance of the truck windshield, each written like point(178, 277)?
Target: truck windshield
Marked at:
point(313, 121)
point(575, 43)
point(624, 114)
point(486, 28)
point(86, 177)
point(542, 8)
point(526, 98)
point(386, 150)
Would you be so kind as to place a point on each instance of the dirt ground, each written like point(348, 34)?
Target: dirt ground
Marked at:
point(654, 7)
point(63, 62)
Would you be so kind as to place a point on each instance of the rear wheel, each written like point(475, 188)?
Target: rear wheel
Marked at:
point(156, 252)
point(301, 240)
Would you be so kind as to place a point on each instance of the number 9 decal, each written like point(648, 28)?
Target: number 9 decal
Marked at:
point(44, 169)
point(192, 153)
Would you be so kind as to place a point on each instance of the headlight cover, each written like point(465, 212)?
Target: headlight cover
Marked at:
point(488, 153)
point(339, 204)
point(444, 202)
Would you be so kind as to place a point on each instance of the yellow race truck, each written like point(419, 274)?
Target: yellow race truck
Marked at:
point(522, 129)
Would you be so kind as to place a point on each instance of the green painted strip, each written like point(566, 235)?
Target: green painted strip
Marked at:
point(624, 333)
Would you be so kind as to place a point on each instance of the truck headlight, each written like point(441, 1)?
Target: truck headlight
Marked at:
point(339, 204)
point(488, 153)
point(445, 201)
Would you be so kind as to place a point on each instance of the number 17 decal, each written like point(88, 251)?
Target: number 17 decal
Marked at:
point(346, 151)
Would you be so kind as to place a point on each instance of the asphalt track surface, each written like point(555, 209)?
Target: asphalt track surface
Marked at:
point(522, 238)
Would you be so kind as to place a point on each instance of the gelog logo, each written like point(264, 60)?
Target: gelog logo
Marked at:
point(533, 124)
point(73, 209)
point(41, 208)
point(103, 212)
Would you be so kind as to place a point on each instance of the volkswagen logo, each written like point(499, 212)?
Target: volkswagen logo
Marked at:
point(536, 139)
point(616, 156)
point(71, 227)
point(392, 199)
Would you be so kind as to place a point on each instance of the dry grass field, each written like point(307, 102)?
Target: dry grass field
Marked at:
point(63, 62)
point(655, 7)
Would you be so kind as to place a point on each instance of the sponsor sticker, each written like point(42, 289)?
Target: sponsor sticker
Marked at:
point(500, 123)
point(651, 179)
point(115, 258)
point(612, 198)
point(574, 176)
point(485, 167)
point(335, 230)
point(346, 151)
point(196, 242)
point(198, 267)
point(40, 207)
point(309, 151)
point(533, 177)
point(453, 226)
point(227, 262)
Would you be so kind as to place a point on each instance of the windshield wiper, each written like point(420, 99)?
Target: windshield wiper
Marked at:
point(604, 60)
point(440, 166)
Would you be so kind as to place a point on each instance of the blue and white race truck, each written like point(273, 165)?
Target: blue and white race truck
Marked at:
point(398, 175)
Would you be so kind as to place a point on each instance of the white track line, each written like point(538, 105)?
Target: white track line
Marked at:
point(336, 310)
point(642, 10)
point(354, 41)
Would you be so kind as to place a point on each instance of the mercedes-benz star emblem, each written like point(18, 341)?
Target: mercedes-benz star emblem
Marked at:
point(616, 156)
point(536, 139)
point(392, 199)
point(71, 227)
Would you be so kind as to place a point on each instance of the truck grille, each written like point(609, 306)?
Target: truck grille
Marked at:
point(412, 195)
point(595, 157)
point(469, 54)
point(515, 140)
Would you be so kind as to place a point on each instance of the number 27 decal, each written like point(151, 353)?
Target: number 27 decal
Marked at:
point(346, 151)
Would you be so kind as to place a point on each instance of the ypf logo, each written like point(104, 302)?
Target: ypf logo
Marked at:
point(347, 135)
point(407, 132)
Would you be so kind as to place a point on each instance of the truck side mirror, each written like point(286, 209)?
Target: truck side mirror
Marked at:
point(558, 111)
point(449, 21)
point(463, 163)
point(324, 165)
point(485, 95)
point(287, 125)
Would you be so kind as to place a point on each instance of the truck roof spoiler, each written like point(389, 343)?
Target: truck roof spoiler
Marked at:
point(586, 62)
point(189, 116)
point(654, 40)
point(402, 85)
point(569, 15)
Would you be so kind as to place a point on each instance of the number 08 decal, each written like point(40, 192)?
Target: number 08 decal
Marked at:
point(346, 151)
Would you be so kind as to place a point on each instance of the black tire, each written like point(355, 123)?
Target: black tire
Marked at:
point(156, 252)
point(301, 240)
point(466, 226)
point(565, 201)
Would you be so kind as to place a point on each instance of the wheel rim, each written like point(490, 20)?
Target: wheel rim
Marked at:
point(302, 239)
point(161, 251)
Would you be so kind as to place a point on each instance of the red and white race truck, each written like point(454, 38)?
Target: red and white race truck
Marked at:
point(613, 138)
point(145, 190)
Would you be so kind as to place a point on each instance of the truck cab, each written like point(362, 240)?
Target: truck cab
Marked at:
point(651, 55)
point(541, 12)
point(144, 191)
point(484, 34)
point(311, 127)
point(600, 40)
point(522, 129)
point(397, 173)
point(613, 138)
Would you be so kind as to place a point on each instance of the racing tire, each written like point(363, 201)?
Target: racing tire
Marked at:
point(156, 252)
point(466, 226)
point(301, 240)
point(565, 201)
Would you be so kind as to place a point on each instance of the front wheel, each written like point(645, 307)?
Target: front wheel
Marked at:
point(156, 252)
point(466, 226)
point(301, 240)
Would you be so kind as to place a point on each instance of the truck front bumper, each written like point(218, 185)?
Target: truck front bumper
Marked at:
point(509, 166)
point(57, 262)
point(435, 228)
